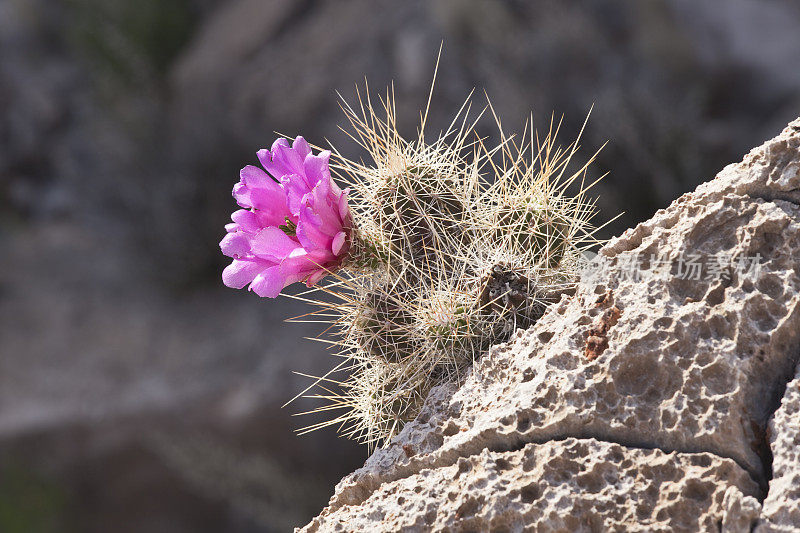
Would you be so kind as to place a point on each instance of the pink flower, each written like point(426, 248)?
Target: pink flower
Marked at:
point(294, 225)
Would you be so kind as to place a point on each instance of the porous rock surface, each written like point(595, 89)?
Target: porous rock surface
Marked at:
point(559, 485)
point(782, 506)
point(631, 372)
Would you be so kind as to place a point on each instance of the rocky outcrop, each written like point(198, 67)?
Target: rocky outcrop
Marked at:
point(641, 402)
point(566, 485)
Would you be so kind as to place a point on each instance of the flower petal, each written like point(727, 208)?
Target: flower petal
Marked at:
point(240, 272)
point(315, 277)
point(274, 279)
point(316, 167)
point(310, 233)
point(295, 187)
point(241, 193)
point(255, 178)
point(273, 244)
point(338, 242)
point(269, 283)
point(344, 209)
point(267, 159)
point(270, 204)
point(300, 145)
point(235, 244)
point(246, 220)
point(285, 160)
point(325, 208)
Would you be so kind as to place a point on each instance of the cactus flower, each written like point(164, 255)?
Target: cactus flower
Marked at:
point(294, 225)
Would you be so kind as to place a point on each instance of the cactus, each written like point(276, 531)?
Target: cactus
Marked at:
point(417, 210)
point(383, 326)
point(452, 252)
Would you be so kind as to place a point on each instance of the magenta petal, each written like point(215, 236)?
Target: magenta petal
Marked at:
point(254, 177)
point(319, 259)
point(338, 242)
point(242, 195)
point(335, 191)
point(270, 160)
point(310, 232)
point(246, 220)
point(316, 167)
point(269, 283)
point(323, 187)
point(300, 145)
point(324, 209)
point(272, 280)
point(315, 277)
point(235, 244)
point(271, 202)
point(288, 159)
point(272, 243)
point(344, 209)
point(295, 187)
point(279, 143)
point(240, 273)
point(274, 218)
point(265, 158)
point(298, 270)
point(310, 238)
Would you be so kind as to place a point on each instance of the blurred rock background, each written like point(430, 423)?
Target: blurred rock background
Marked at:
point(136, 393)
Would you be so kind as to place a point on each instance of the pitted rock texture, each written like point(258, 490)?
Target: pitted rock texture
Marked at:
point(781, 511)
point(571, 485)
point(690, 365)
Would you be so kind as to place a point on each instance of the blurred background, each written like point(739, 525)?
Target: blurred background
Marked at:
point(139, 395)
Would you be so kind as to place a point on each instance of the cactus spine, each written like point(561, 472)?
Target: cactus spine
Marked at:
point(453, 252)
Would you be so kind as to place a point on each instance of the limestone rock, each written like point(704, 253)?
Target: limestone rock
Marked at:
point(740, 512)
point(782, 505)
point(570, 485)
point(691, 366)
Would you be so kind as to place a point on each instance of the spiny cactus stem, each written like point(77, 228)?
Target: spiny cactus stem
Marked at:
point(365, 254)
point(444, 261)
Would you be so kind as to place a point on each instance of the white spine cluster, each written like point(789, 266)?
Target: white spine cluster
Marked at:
point(456, 246)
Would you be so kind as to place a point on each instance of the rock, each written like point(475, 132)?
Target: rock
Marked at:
point(691, 368)
point(558, 486)
point(740, 512)
point(782, 505)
